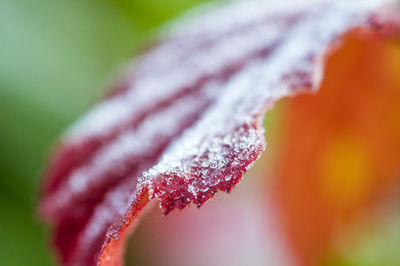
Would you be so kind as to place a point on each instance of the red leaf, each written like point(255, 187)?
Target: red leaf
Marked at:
point(189, 120)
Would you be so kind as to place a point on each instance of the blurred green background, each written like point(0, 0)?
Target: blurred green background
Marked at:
point(56, 58)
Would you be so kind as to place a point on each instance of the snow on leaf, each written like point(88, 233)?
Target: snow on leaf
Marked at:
point(188, 123)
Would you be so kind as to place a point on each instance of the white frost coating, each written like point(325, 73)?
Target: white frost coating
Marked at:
point(245, 95)
point(114, 204)
point(235, 47)
point(132, 144)
point(157, 86)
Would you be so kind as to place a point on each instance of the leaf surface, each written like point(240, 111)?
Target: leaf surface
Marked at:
point(187, 121)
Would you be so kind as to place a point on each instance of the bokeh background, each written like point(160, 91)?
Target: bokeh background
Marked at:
point(56, 58)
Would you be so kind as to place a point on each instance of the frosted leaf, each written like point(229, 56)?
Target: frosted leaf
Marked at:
point(188, 121)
